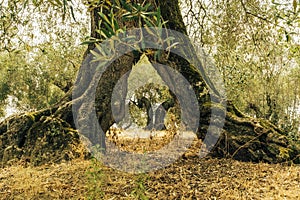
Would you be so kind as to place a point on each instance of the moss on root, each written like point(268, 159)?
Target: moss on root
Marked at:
point(257, 140)
point(38, 138)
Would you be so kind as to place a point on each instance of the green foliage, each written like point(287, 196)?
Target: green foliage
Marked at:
point(109, 27)
point(38, 82)
point(37, 65)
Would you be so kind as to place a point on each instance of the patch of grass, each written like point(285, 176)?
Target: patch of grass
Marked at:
point(96, 180)
point(139, 191)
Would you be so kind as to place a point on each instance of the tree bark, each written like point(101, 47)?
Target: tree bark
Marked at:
point(41, 136)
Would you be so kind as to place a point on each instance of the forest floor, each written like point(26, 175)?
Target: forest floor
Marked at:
point(188, 178)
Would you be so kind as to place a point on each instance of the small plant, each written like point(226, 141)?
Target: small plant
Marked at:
point(140, 191)
point(284, 153)
point(96, 180)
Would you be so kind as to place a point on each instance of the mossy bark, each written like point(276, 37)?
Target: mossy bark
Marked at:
point(50, 135)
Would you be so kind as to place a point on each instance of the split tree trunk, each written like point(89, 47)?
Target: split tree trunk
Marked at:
point(51, 135)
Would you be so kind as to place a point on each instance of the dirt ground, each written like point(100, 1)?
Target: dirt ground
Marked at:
point(188, 178)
